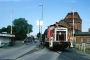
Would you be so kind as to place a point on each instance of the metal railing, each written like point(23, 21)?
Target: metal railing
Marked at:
point(82, 46)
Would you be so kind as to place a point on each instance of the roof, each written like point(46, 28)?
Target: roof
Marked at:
point(70, 15)
point(58, 25)
point(7, 35)
point(82, 34)
point(65, 22)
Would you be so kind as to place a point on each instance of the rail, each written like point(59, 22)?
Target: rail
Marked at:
point(82, 46)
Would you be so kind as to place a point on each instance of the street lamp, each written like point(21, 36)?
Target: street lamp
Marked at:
point(42, 10)
point(39, 23)
point(41, 17)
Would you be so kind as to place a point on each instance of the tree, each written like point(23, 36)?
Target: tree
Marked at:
point(0, 30)
point(3, 30)
point(8, 29)
point(38, 35)
point(21, 28)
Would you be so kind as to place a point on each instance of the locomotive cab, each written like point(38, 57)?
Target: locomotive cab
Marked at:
point(57, 36)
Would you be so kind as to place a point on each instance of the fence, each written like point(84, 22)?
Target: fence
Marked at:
point(83, 46)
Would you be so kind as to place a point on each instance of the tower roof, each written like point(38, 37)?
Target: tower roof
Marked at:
point(70, 15)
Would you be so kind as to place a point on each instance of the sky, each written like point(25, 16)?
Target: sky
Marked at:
point(53, 11)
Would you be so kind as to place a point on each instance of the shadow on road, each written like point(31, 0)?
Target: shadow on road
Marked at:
point(60, 49)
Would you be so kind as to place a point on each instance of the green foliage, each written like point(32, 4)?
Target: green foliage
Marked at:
point(87, 50)
point(9, 29)
point(3, 29)
point(21, 28)
point(38, 35)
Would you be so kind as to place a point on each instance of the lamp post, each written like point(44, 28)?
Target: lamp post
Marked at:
point(39, 30)
point(41, 18)
point(39, 24)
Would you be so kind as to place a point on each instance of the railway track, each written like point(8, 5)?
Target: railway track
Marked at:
point(63, 56)
point(68, 54)
point(71, 55)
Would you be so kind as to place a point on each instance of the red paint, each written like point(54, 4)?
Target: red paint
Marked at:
point(50, 33)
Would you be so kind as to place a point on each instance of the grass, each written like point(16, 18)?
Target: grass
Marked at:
point(87, 50)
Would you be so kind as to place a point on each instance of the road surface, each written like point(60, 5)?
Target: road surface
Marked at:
point(47, 54)
point(72, 54)
point(27, 52)
point(15, 52)
point(44, 54)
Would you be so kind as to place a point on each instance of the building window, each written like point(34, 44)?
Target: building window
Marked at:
point(88, 40)
point(81, 40)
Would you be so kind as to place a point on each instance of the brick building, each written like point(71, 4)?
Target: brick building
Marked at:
point(68, 22)
point(81, 37)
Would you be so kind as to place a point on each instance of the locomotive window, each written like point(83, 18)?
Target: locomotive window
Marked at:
point(52, 27)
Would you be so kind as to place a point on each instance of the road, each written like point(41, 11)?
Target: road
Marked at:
point(27, 52)
point(44, 54)
point(47, 54)
point(15, 52)
point(72, 54)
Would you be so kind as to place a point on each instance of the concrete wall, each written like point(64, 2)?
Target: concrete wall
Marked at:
point(4, 41)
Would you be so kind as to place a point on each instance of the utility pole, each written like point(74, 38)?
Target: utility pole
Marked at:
point(41, 19)
point(73, 24)
point(38, 23)
point(73, 29)
point(11, 21)
point(39, 30)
